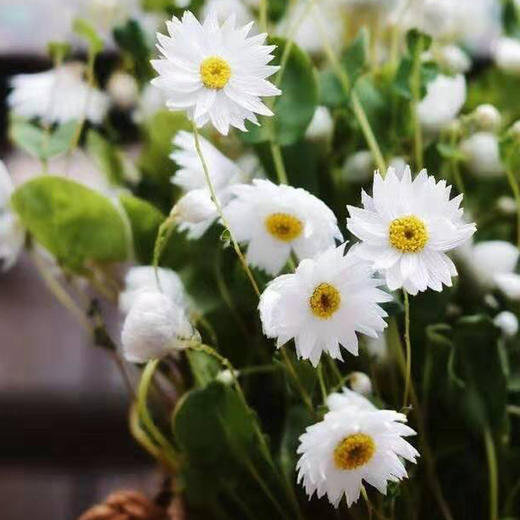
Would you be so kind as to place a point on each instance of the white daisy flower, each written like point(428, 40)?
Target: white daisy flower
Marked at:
point(142, 278)
point(445, 96)
point(350, 446)
point(154, 327)
point(275, 220)
point(12, 234)
point(407, 227)
point(323, 305)
point(57, 96)
point(215, 72)
point(196, 211)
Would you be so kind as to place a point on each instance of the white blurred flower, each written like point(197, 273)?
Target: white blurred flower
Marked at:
point(143, 279)
point(223, 9)
point(57, 96)
point(482, 154)
point(155, 327)
point(123, 90)
point(277, 220)
point(493, 264)
point(507, 322)
point(377, 348)
point(215, 72)
point(507, 54)
point(487, 117)
point(323, 305)
point(399, 165)
point(348, 398)
point(507, 205)
point(310, 19)
point(321, 126)
point(445, 96)
point(12, 234)
point(359, 166)
point(350, 446)
point(195, 207)
point(406, 229)
point(360, 383)
point(453, 58)
point(149, 103)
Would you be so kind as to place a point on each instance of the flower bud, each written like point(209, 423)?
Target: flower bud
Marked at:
point(507, 322)
point(483, 154)
point(487, 117)
point(453, 58)
point(359, 167)
point(226, 377)
point(507, 55)
point(123, 90)
point(155, 327)
point(195, 207)
point(360, 383)
point(321, 126)
point(506, 205)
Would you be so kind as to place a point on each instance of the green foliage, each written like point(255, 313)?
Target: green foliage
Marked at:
point(40, 143)
point(295, 107)
point(85, 29)
point(132, 40)
point(75, 223)
point(217, 435)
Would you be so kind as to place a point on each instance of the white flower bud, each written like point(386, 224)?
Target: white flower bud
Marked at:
point(359, 167)
point(445, 96)
point(507, 205)
point(321, 126)
point(399, 165)
point(483, 154)
point(143, 278)
point(515, 128)
point(195, 207)
point(487, 117)
point(507, 322)
point(155, 327)
point(453, 58)
point(507, 54)
point(226, 377)
point(123, 90)
point(360, 383)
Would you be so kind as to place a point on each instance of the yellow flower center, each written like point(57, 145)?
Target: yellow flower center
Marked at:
point(325, 301)
point(283, 226)
point(354, 451)
point(215, 72)
point(408, 234)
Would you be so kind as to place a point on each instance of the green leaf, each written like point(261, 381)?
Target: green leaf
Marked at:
point(355, 58)
point(203, 367)
point(145, 220)
point(417, 41)
point(40, 144)
point(75, 223)
point(131, 39)
point(294, 109)
point(58, 51)
point(448, 151)
point(216, 434)
point(86, 30)
point(478, 364)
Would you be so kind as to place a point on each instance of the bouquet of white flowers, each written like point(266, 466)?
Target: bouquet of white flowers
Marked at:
point(292, 230)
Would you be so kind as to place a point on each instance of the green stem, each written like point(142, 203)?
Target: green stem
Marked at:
point(415, 87)
point(493, 474)
point(408, 348)
point(281, 173)
point(263, 15)
point(357, 107)
point(304, 395)
point(321, 380)
point(144, 414)
point(516, 193)
point(216, 201)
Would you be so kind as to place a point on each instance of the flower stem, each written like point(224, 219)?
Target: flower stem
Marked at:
point(415, 87)
point(216, 201)
point(305, 396)
point(357, 107)
point(493, 474)
point(263, 15)
point(281, 173)
point(408, 348)
point(321, 380)
point(144, 414)
point(513, 182)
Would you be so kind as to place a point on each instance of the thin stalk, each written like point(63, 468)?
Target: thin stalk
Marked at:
point(513, 182)
point(493, 474)
point(358, 109)
point(279, 166)
point(415, 87)
point(145, 416)
point(408, 372)
point(263, 15)
point(321, 380)
point(216, 201)
point(367, 501)
point(304, 395)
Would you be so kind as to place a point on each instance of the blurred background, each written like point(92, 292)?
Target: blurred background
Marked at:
point(64, 442)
